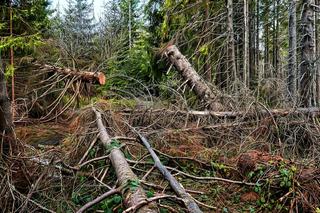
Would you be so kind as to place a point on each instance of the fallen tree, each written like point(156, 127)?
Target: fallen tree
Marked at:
point(175, 185)
point(91, 77)
point(311, 111)
point(193, 79)
point(125, 176)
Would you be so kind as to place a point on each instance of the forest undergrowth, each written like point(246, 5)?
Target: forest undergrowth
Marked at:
point(263, 163)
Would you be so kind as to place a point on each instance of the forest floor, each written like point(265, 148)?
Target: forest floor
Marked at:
point(227, 165)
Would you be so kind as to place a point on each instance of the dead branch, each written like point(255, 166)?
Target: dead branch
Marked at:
point(99, 199)
point(145, 202)
point(122, 170)
point(176, 186)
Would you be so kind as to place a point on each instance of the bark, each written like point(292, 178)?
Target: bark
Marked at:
point(257, 40)
point(232, 69)
point(123, 171)
point(292, 61)
point(6, 122)
point(92, 77)
point(266, 73)
point(312, 111)
point(175, 185)
point(307, 55)
point(195, 82)
point(207, 65)
point(317, 95)
point(246, 44)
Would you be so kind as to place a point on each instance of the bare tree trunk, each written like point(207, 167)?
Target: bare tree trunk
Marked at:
point(307, 55)
point(196, 83)
point(317, 96)
point(123, 171)
point(292, 61)
point(8, 143)
point(175, 185)
point(266, 41)
point(207, 65)
point(246, 44)
point(257, 40)
point(232, 69)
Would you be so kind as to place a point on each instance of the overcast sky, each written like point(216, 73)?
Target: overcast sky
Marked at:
point(63, 3)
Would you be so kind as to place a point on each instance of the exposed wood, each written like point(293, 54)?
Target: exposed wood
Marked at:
point(123, 171)
point(92, 77)
point(193, 79)
point(175, 185)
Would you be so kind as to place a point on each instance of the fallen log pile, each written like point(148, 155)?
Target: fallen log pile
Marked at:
point(193, 161)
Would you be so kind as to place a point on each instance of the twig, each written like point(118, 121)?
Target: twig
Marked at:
point(92, 160)
point(148, 200)
point(35, 203)
point(88, 150)
point(162, 188)
point(99, 199)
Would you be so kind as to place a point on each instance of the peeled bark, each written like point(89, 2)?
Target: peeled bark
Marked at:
point(175, 185)
point(307, 55)
point(92, 77)
point(195, 82)
point(123, 171)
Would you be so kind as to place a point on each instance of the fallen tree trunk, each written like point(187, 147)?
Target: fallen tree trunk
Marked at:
point(312, 111)
point(91, 77)
point(193, 79)
point(175, 185)
point(132, 197)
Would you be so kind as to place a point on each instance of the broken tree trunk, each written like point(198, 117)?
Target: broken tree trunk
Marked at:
point(123, 171)
point(91, 77)
point(8, 145)
point(193, 79)
point(175, 185)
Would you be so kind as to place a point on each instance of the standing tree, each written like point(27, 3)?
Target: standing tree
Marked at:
point(231, 52)
point(246, 44)
point(307, 55)
point(292, 61)
point(78, 31)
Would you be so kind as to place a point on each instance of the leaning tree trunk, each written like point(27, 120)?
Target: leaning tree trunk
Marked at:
point(6, 121)
point(292, 61)
point(307, 55)
point(125, 176)
point(195, 82)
